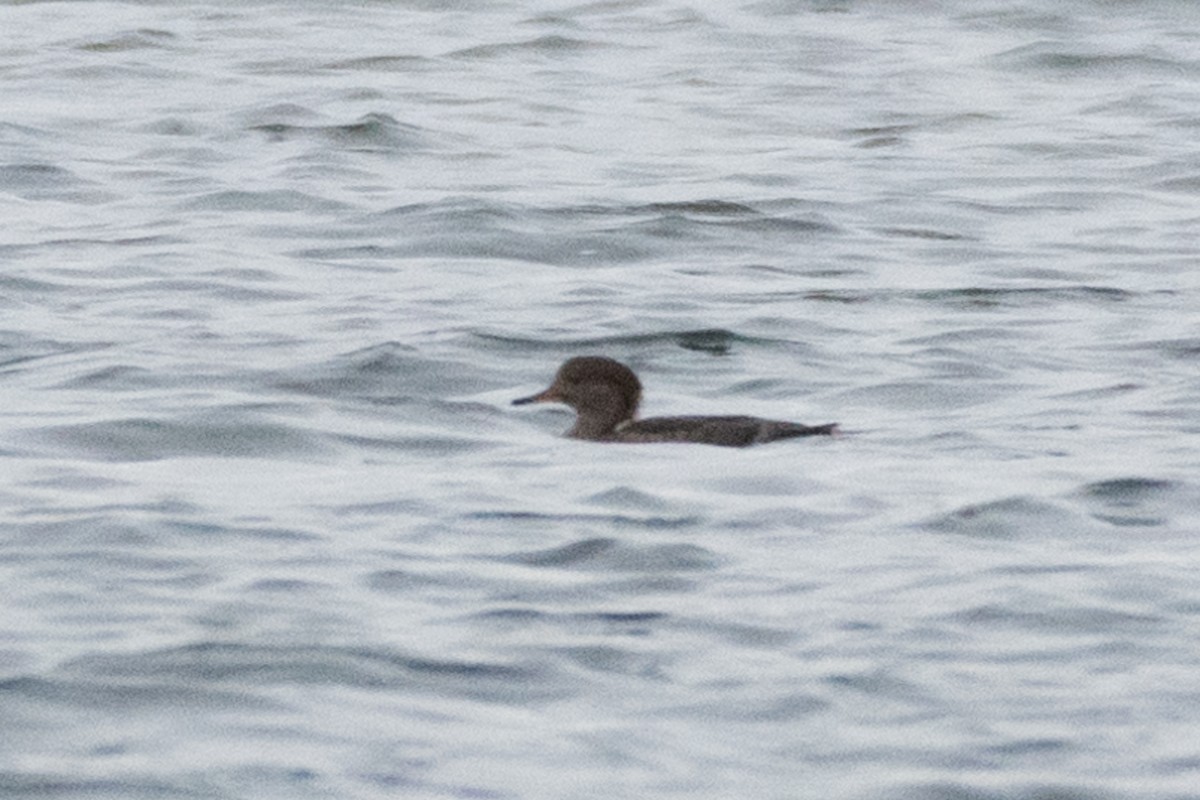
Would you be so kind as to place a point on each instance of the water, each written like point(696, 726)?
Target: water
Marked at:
point(270, 275)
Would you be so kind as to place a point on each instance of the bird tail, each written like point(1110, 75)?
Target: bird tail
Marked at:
point(828, 429)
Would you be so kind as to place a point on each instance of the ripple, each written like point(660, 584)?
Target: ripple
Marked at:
point(1012, 518)
point(117, 378)
point(400, 63)
point(1184, 349)
point(626, 497)
point(50, 784)
point(1064, 620)
point(127, 696)
point(17, 348)
point(371, 132)
point(964, 791)
point(611, 555)
point(925, 233)
point(387, 371)
point(1138, 502)
point(569, 235)
point(141, 39)
point(146, 439)
point(214, 664)
point(38, 181)
point(983, 297)
point(1053, 57)
point(281, 200)
point(548, 520)
point(941, 394)
point(713, 341)
point(550, 45)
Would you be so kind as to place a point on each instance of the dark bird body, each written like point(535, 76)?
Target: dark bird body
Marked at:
point(605, 395)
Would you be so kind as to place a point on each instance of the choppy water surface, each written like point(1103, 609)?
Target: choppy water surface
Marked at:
point(271, 273)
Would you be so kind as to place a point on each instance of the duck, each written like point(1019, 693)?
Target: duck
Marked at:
point(605, 395)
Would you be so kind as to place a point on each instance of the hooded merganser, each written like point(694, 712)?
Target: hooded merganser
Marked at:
point(605, 395)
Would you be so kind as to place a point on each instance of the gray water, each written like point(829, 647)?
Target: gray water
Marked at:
point(270, 275)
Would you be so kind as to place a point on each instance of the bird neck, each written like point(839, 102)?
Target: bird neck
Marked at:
point(600, 410)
